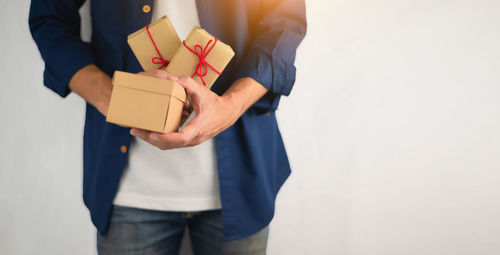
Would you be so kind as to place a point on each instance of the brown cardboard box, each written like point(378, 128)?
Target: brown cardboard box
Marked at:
point(146, 102)
point(185, 62)
point(165, 37)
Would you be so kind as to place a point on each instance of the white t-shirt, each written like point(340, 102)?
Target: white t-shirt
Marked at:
point(173, 180)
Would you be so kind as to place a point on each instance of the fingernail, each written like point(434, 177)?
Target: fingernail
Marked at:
point(132, 132)
point(173, 78)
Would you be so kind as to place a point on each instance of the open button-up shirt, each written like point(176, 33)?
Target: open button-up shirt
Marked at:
point(251, 158)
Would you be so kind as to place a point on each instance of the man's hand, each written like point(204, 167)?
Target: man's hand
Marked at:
point(94, 86)
point(214, 113)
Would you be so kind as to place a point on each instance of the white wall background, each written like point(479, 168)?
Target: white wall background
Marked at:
point(392, 131)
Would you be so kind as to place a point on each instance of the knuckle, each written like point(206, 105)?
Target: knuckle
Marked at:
point(189, 140)
point(196, 142)
point(186, 143)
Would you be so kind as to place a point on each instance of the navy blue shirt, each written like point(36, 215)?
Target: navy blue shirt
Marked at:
point(251, 158)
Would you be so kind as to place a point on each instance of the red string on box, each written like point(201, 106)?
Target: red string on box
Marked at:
point(159, 59)
point(202, 66)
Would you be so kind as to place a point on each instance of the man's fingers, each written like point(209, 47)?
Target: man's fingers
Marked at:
point(143, 134)
point(191, 134)
point(191, 86)
point(187, 105)
point(197, 94)
point(160, 74)
point(146, 136)
point(164, 75)
point(150, 73)
point(188, 136)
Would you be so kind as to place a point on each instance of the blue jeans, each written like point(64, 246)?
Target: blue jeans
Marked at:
point(140, 231)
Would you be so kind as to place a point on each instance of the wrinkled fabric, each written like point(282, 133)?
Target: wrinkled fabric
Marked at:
point(251, 158)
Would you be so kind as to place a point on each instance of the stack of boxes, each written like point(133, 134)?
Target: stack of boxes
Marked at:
point(156, 104)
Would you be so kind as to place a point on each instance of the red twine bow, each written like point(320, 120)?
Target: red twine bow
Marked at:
point(202, 66)
point(159, 59)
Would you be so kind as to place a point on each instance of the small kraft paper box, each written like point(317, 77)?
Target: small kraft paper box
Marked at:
point(155, 44)
point(201, 56)
point(145, 102)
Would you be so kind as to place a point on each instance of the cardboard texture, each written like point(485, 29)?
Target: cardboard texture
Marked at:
point(145, 102)
point(185, 62)
point(165, 38)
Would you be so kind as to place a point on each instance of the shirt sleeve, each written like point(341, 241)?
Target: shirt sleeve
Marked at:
point(55, 27)
point(276, 36)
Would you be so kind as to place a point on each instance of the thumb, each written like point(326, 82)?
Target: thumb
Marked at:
point(193, 88)
point(190, 85)
point(195, 92)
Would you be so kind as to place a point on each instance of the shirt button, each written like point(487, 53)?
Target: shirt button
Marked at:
point(146, 8)
point(123, 149)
